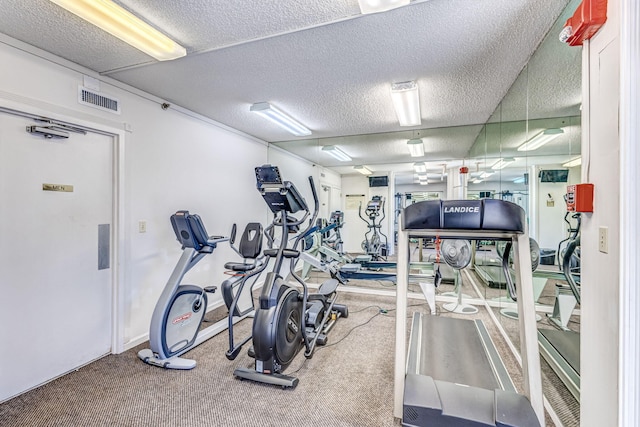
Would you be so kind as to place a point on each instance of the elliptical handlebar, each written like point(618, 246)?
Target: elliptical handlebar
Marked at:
point(566, 266)
point(383, 214)
point(316, 207)
point(360, 213)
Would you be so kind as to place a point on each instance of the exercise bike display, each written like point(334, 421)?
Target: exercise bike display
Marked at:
point(373, 245)
point(287, 319)
point(179, 313)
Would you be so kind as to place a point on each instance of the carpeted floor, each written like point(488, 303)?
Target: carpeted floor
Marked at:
point(347, 383)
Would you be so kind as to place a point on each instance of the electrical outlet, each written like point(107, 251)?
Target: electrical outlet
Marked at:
point(142, 226)
point(603, 239)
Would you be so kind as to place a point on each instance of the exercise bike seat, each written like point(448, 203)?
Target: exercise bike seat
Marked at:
point(328, 287)
point(250, 247)
point(239, 266)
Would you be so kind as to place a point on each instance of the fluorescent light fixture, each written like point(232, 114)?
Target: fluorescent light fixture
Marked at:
point(541, 139)
point(337, 153)
point(571, 163)
point(363, 170)
point(127, 27)
point(420, 167)
point(502, 163)
point(485, 175)
point(281, 119)
point(519, 180)
point(406, 101)
point(373, 6)
point(416, 147)
point(422, 178)
point(477, 181)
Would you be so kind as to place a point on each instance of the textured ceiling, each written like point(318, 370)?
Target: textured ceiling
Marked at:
point(328, 66)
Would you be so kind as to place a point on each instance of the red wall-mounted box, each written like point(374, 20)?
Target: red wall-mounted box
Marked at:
point(585, 22)
point(580, 198)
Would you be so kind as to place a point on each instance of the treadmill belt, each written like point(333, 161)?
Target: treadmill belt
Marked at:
point(567, 343)
point(453, 351)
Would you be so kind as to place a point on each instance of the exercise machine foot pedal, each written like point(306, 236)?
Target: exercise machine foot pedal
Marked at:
point(211, 289)
point(284, 381)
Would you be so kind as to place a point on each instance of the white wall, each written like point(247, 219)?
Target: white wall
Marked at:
point(172, 161)
point(600, 272)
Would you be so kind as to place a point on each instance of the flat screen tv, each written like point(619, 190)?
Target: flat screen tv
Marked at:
point(554, 175)
point(378, 181)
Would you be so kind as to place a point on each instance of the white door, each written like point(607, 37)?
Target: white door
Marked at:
point(324, 197)
point(55, 301)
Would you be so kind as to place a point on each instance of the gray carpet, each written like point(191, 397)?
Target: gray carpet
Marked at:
point(349, 383)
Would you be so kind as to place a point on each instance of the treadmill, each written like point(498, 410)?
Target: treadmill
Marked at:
point(451, 374)
point(561, 348)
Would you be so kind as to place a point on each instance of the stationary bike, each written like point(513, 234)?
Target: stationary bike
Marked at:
point(286, 319)
point(179, 313)
point(373, 245)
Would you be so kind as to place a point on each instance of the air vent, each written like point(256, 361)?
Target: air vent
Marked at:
point(98, 100)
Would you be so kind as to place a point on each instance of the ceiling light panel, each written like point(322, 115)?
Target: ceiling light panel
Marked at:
point(280, 118)
point(336, 153)
point(374, 6)
point(122, 24)
point(363, 170)
point(502, 163)
point(541, 139)
point(571, 163)
point(420, 167)
point(416, 147)
point(406, 101)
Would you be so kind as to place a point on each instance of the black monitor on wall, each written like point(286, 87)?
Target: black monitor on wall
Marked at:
point(554, 175)
point(378, 181)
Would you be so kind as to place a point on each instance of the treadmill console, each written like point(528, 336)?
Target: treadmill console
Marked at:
point(485, 214)
point(279, 195)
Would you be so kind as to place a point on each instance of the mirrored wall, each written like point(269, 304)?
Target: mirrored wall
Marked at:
point(527, 153)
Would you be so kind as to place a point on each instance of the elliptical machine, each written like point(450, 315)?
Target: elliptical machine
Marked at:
point(334, 240)
point(286, 320)
point(373, 245)
point(568, 296)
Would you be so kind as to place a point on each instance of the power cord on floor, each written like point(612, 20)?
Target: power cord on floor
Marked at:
point(381, 311)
